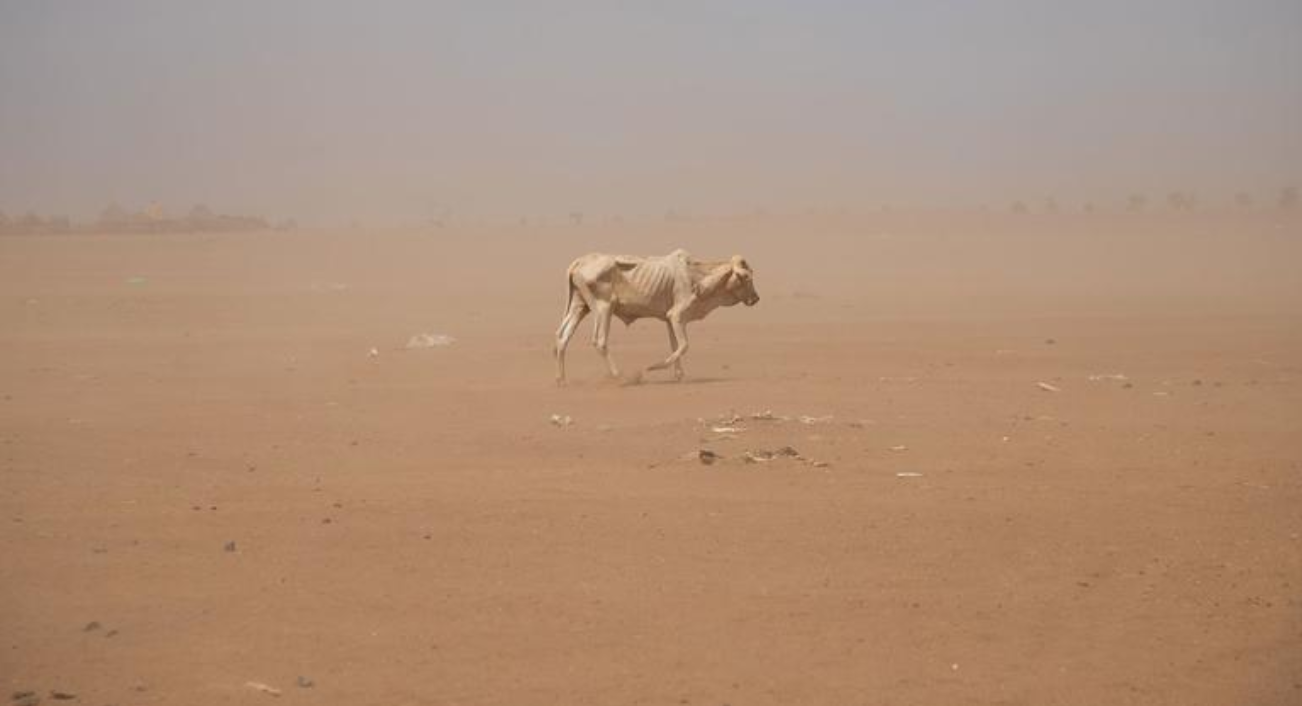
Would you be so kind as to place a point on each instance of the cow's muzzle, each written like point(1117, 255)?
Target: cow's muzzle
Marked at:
point(752, 301)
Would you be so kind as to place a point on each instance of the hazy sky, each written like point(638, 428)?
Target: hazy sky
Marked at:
point(392, 111)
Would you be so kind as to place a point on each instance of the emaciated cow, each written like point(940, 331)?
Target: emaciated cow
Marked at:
point(673, 288)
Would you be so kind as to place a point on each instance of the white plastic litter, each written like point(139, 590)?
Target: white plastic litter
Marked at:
point(430, 340)
point(561, 420)
point(806, 419)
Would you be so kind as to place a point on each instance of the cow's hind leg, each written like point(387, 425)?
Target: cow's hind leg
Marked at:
point(601, 335)
point(673, 346)
point(574, 314)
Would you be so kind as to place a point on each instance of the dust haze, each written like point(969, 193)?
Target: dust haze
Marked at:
point(1015, 420)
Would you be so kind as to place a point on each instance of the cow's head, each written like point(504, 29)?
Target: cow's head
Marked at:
point(740, 285)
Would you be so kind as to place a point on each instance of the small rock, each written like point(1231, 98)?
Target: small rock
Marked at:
point(24, 698)
point(707, 456)
point(230, 546)
point(1047, 387)
point(92, 626)
point(1050, 341)
point(305, 683)
point(62, 695)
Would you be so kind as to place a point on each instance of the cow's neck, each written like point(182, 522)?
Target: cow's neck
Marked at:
point(705, 301)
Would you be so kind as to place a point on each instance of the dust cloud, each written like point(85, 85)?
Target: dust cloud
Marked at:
point(1015, 420)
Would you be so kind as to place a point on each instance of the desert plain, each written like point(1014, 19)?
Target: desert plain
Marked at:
point(1042, 459)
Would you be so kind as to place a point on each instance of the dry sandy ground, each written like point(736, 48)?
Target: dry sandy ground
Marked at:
point(409, 528)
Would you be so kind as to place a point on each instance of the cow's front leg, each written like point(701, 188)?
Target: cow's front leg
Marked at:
point(678, 330)
point(601, 336)
point(673, 346)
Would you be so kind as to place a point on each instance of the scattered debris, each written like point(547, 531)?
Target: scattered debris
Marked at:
point(62, 695)
point(805, 419)
point(887, 378)
point(767, 416)
point(1119, 377)
point(727, 430)
point(900, 447)
point(92, 626)
point(264, 688)
point(24, 698)
point(1161, 393)
point(136, 280)
point(561, 420)
point(429, 340)
point(908, 474)
point(1047, 387)
point(1050, 341)
point(707, 456)
point(230, 546)
point(374, 352)
point(762, 456)
point(305, 683)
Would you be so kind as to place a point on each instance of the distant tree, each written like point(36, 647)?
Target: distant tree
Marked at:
point(1020, 208)
point(1050, 205)
point(58, 224)
point(1243, 200)
point(113, 214)
point(30, 222)
point(1089, 207)
point(1136, 203)
point(576, 217)
point(1181, 201)
point(1288, 197)
point(200, 213)
point(4, 219)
